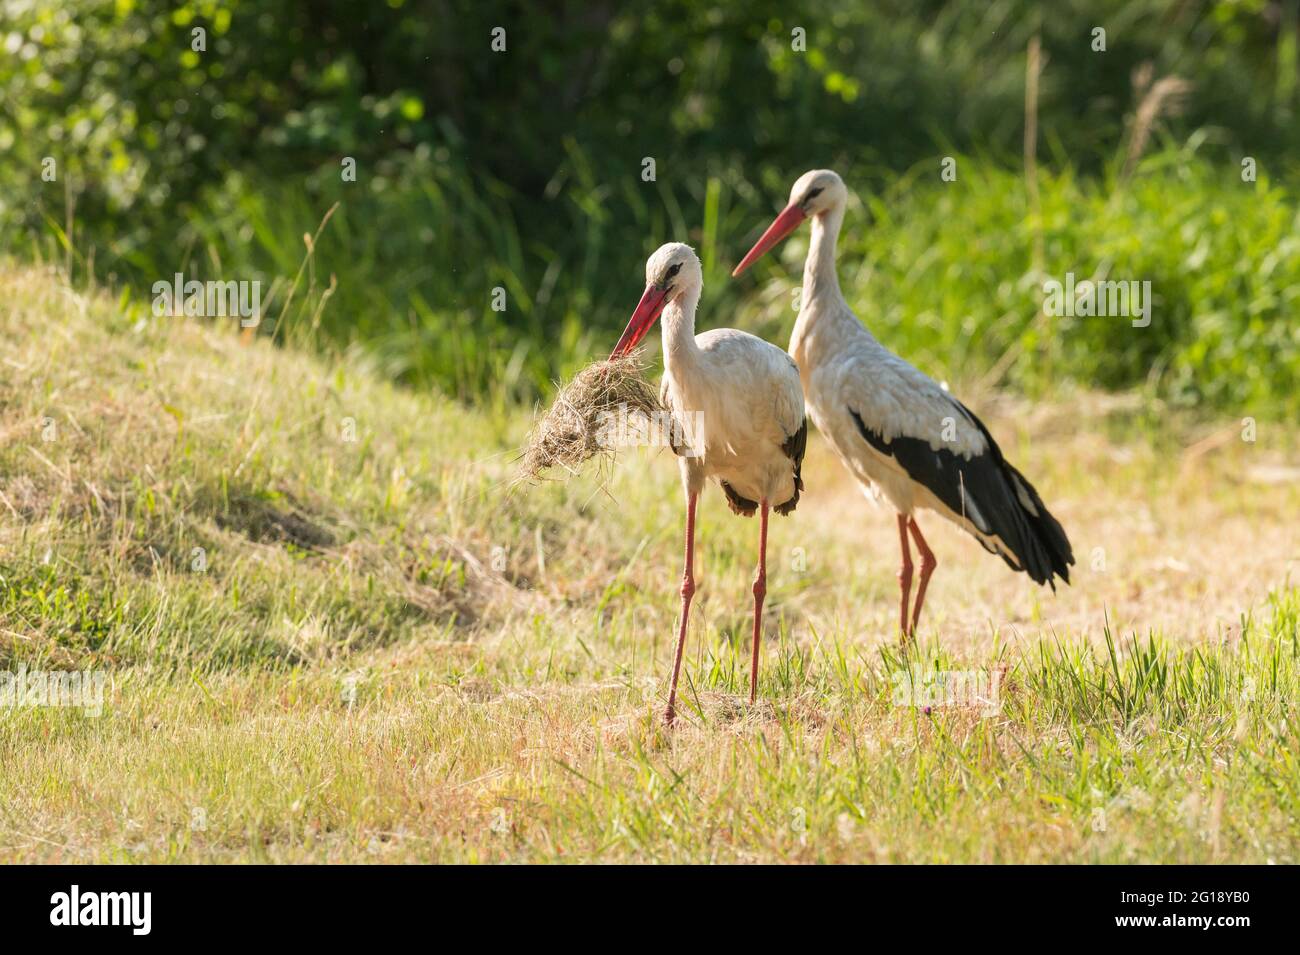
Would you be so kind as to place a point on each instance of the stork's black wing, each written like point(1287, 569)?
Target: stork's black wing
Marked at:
point(987, 491)
point(794, 449)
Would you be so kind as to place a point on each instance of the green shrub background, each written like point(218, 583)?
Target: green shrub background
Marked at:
point(522, 170)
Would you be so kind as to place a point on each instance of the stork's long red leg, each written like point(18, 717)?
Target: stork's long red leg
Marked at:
point(688, 591)
point(904, 575)
point(928, 564)
point(760, 591)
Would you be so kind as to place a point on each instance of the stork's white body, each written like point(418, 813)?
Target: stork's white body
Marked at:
point(738, 399)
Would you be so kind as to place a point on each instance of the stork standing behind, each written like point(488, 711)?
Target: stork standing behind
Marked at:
point(896, 430)
point(740, 404)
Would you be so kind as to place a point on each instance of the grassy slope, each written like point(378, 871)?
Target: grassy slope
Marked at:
point(507, 652)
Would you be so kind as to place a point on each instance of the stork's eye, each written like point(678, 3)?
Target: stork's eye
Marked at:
point(674, 270)
point(813, 193)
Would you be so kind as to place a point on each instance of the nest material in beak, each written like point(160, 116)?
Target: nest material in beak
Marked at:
point(591, 416)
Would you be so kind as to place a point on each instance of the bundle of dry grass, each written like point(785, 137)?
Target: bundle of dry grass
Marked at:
point(591, 417)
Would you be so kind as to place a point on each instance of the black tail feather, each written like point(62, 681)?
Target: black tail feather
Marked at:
point(739, 505)
point(1027, 527)
point(1046, 528)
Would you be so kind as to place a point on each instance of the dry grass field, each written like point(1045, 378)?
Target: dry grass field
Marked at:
point(332, 630)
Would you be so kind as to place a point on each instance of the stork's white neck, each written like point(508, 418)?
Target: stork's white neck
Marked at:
point(819, 278)
point(678, 327)
point(825, 321)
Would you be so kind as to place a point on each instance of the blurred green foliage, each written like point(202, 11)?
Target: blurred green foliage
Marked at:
point(522, 170)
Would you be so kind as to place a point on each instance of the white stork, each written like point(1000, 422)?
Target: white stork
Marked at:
point(896, 430)
point(740, 405)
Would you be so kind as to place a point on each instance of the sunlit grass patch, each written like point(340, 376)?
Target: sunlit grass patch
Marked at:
point(332, 630)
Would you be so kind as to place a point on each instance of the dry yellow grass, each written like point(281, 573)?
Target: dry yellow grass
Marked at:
point(582, 421)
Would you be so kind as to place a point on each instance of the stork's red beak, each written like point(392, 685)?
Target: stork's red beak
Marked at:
point(642, 320)
point(781, 227)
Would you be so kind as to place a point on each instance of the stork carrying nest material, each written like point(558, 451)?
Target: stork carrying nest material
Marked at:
point(609, 404)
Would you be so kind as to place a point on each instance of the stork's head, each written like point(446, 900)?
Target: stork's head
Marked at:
point(672, 272)
point(814, 193)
